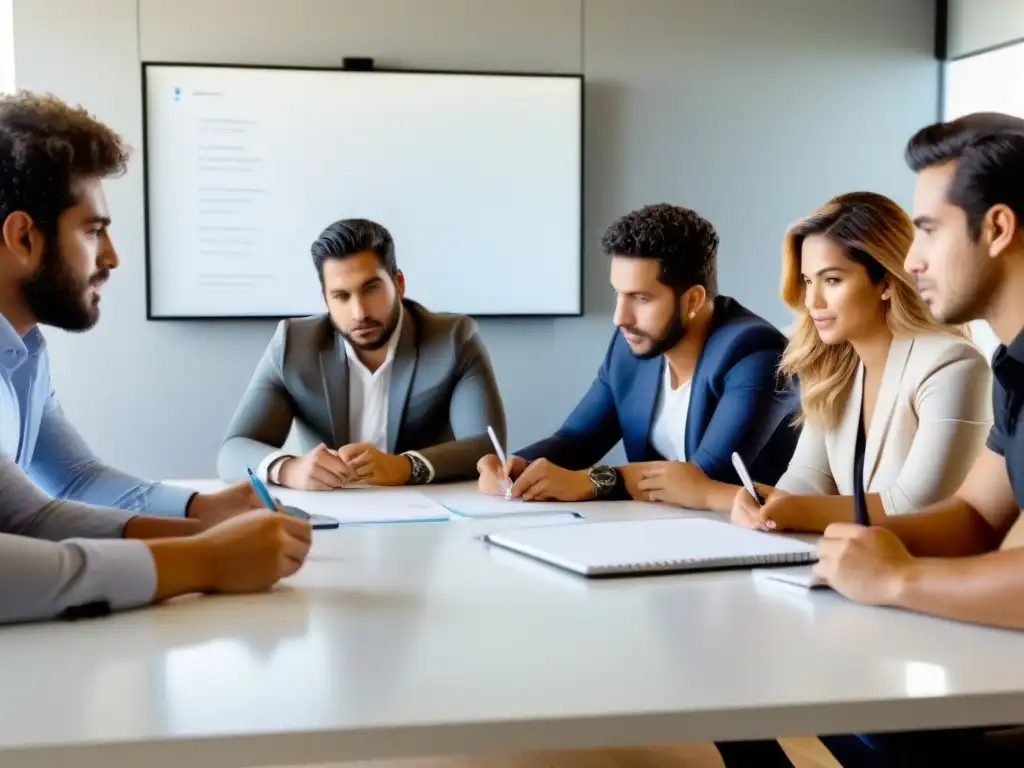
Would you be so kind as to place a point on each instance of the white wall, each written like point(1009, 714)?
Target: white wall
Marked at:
point(753, 113)
point(6, 46)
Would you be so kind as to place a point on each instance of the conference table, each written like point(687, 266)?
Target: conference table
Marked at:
point(419, 639)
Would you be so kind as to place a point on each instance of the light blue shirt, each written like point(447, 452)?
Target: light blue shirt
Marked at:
point(35, 433)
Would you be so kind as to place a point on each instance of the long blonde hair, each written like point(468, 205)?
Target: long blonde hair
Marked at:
point(876, 233)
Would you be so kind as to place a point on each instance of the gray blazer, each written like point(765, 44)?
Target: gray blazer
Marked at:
point(442, 395)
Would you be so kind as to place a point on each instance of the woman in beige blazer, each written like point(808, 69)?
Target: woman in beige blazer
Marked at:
point(866, 350)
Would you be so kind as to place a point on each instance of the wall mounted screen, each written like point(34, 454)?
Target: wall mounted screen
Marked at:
point(477, 176)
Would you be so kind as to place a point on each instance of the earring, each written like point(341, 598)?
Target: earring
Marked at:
point(692, 315)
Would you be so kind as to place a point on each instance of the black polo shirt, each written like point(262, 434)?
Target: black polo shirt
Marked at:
point(1006, 438)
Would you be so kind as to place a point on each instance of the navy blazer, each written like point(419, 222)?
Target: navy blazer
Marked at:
point(737, 403)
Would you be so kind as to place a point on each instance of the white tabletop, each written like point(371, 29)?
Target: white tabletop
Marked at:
point(418, 639)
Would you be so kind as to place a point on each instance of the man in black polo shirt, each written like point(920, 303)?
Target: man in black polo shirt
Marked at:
point(968, 260)
point(947, 560)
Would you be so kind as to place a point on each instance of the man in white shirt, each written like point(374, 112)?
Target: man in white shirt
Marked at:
point(379, 389)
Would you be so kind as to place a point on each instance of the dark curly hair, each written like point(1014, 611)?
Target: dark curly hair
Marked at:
point(684, 243)
point(45, 147)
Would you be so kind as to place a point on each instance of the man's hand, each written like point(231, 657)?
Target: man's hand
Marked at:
point(374, 467)
point(544, 481)
point(319, 470)
point(212, 508)
point(869, 565)
point(248, 553)
point(771, 517)
point(673, 482)
point(495, 479)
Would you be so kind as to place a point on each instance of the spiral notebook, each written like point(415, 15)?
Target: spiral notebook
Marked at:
point(630, 547)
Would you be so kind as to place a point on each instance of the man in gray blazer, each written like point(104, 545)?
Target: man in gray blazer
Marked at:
point(379, 389)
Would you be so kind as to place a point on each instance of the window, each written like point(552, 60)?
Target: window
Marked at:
point(986, 82)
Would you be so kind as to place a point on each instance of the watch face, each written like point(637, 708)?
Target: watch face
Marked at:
point(603, 477)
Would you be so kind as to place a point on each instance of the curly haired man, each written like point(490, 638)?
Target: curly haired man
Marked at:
point(689, 378)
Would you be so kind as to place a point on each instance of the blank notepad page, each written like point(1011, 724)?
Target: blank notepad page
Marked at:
point(639, 546)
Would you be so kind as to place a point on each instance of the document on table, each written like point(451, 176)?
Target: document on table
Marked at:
point(475, 505)
point(351, 506)
point(795, 576)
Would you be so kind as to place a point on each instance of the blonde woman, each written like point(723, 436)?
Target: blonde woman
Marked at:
point(889, 397)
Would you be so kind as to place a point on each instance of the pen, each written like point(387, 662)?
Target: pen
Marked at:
point(261, 491)
point(741, 470)
point(506, 485)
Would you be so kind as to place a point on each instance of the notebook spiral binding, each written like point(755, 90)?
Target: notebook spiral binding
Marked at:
point(711, 562)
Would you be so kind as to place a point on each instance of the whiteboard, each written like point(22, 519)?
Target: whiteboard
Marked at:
point(477, 176)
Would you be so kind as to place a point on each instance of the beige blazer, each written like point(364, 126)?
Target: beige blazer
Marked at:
point(932, 416)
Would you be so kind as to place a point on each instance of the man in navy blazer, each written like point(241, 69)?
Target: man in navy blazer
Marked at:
point(689, 378)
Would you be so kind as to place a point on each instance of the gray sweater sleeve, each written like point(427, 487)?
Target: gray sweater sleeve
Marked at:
point(42, 579)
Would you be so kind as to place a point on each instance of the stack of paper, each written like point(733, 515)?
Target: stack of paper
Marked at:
point(474, 505)
point(352, 506)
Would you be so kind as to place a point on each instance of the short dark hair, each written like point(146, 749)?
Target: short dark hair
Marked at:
point(988, 148)
point(684, 243)
point(45, 147)
point(351, 236)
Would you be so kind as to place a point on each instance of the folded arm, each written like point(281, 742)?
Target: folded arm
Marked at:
point(262, 420)
point(475, 404)
point(64, 467)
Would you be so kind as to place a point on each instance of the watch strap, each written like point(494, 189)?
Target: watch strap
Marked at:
point(419, 471)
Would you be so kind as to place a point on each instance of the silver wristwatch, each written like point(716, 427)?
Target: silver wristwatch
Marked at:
point(605, 480)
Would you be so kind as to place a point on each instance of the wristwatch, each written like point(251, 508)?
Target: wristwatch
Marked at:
point(606, 480)
point(419, 473)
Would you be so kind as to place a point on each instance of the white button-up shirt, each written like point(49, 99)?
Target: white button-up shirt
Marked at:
point(368, 395)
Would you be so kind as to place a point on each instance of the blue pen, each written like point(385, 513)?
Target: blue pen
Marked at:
point(261, 491)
